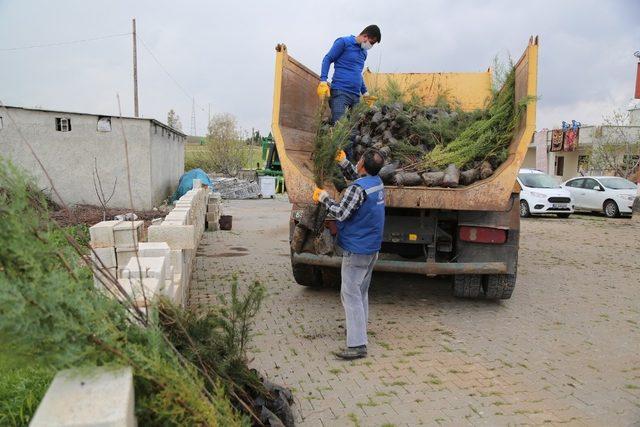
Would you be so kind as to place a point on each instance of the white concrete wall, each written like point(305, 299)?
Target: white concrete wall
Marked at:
point(167, 162)
point(69, 156)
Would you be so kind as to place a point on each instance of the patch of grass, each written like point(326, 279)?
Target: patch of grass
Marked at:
point(631, 387)
point(335, 371)
point(354, 419)
point(384, 345)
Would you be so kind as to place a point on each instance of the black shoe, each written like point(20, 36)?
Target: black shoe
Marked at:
point(351, 353)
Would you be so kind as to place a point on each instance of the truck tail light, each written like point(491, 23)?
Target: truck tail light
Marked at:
point(483, 235)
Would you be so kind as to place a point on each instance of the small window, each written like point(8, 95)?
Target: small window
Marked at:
point(104, 124)
point(576, 183)
point(63, 124)
point(590, 184)
point(0, 122)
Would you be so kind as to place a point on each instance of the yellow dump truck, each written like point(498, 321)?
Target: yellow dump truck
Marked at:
point(469, 232)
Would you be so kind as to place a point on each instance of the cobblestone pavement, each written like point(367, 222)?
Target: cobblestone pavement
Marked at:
point(563, 350)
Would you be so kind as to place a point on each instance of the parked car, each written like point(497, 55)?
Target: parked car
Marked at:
point(542, 194)
point(609, 194)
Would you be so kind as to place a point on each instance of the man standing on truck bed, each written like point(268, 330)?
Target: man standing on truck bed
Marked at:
point(347, 56)
point(360, 216)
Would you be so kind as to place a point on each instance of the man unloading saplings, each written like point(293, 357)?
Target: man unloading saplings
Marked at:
point(347, 56)
point(360, 217)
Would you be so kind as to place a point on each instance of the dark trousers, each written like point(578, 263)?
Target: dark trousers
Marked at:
point(339, 101)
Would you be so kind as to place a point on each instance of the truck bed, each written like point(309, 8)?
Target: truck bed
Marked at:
point(295, 106)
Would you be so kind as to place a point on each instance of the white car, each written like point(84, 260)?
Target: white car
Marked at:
point(542, 194)
point(609, 194)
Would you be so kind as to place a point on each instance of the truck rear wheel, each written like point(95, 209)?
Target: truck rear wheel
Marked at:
point(499, 286)
point(467, 285)
point(330, 277)
point(306, 275)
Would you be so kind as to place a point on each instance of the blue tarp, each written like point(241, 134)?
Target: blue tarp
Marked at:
point(186, 182)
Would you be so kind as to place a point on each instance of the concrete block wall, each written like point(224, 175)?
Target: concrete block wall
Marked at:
point(163, 264)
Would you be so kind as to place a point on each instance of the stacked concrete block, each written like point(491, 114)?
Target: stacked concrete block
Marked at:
point(127, 233)
point(96, 397)
point(213, 212)
point(142, 291)
point(103, 252)
point(146, 267)
point(169, 253)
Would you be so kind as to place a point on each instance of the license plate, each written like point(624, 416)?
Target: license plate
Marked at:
point(558, 205)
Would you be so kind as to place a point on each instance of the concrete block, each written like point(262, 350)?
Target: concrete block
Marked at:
point(176, 236)
point(176, 260)
point(134, 288)
point(127, 233)
point(100, 397)
point(102, 234)
point(104, 275)
point(146, 267)
point(156, 221)
point(104, 257)
point(213, 216)
point(148, 249)
point(124, 255)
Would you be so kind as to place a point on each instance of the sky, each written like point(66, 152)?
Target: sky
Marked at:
point(222, 53)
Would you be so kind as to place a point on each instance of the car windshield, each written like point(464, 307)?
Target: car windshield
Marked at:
point(618, 183)
point(538, 180)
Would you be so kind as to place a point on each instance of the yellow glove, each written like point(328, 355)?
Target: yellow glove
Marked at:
point(319, 194)
point(341, 156)
point(323, 90)
point(369, 99)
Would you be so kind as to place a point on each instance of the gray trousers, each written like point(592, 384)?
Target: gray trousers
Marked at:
point(354, 292)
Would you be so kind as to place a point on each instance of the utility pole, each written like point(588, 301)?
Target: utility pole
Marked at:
point(135, 72)
point(209, 118)
point(193, 117)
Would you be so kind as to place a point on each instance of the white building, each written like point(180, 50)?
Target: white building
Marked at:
point(569, 164)
point(72, 146)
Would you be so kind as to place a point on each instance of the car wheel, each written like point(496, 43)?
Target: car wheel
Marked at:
point(524, 209)
point(611, 209)
point(563, 215)
point(467, 285)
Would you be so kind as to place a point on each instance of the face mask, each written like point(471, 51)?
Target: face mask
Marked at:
point(366, 45)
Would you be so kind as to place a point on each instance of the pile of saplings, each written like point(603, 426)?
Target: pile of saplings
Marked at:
point(434, 146)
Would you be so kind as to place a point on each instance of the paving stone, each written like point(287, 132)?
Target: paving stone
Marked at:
point(545, 354)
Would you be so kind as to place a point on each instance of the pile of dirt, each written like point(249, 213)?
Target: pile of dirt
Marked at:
point(89, 215)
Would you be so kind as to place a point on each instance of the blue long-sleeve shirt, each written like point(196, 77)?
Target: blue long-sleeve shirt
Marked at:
point(347, 58)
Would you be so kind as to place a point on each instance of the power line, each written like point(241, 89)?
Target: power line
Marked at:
point(65, 43)
point(187, 94)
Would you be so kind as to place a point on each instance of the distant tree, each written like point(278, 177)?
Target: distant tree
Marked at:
point(173, 120)
point(616, 149)
point(228, 152)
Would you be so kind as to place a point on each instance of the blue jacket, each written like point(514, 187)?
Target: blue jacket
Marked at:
point(362, 232)
point(348, 59)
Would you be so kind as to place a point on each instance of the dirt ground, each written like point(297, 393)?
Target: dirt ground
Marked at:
point(563, 350)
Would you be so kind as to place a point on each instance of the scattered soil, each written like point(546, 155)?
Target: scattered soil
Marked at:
point(90, 215)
